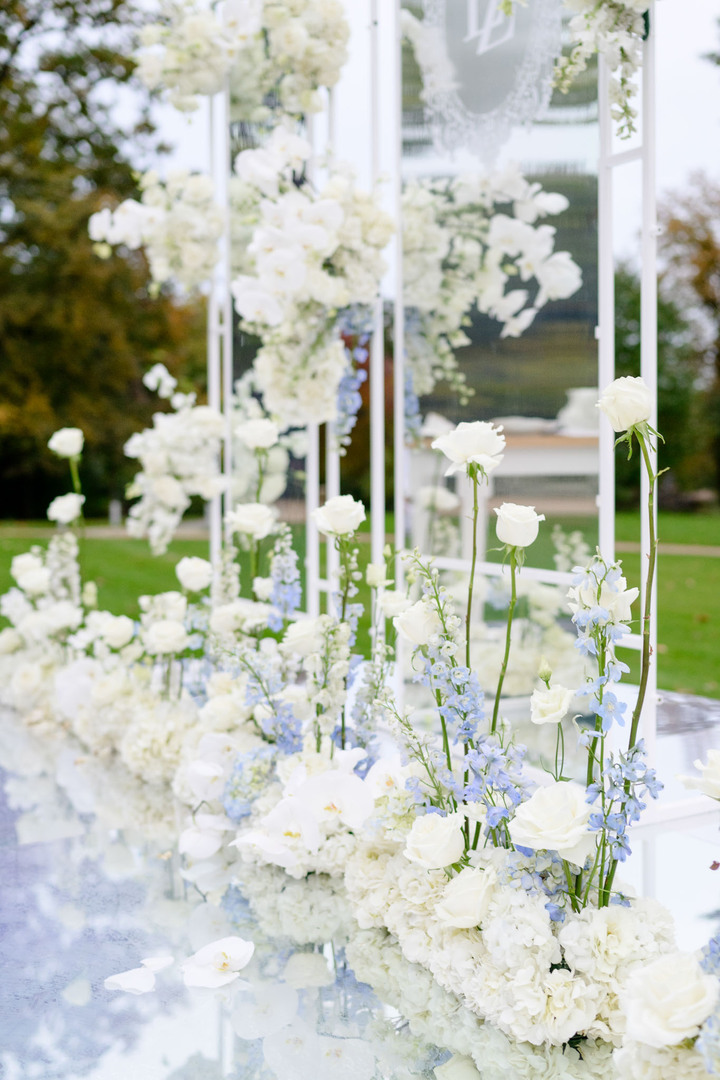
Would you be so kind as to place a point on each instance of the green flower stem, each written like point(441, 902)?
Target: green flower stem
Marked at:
point(472, 472)
point(254, 557)
point(592, 749)
point(261, 456)
point(506, 657)
point(75, 475)
point(571, 886)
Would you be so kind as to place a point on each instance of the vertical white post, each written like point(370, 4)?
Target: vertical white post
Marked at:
point(648, 347)
point(399, 448)
point(227, 306)
point(213, 352)
point(606, 316)
point(377, 344)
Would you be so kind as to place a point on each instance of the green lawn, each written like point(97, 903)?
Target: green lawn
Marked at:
point(688, 586)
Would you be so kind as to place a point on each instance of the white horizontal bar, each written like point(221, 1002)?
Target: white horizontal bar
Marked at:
point(623, 157)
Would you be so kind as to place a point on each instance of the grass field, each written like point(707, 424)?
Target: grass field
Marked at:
point(688, 585)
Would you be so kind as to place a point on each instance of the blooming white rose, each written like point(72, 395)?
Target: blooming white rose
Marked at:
point(117, 631)
point(709, 780)
point(517, 525)
point(35, 581)
point(548, 705)
point(303, 637)
point(418, 623)
point(67, 442)
point(435, 841)
point(65, 508)
point(555, 818)
point(457, 1068)
point(194, 574)
point(667, 1000)
point(626, 402)
point(340, 516)
point(165, 636)
point(478, 443)
point(466, 898)
point(252, 519)
point(259, 434)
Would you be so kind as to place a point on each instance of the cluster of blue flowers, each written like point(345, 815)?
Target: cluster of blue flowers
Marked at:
point(250, 775)
point(286, 593)
point(349, 399)
point(539, 874)
point(264, 687)
point(596, 627)
point(462, 701)
point(626, 779)
point(496, 779)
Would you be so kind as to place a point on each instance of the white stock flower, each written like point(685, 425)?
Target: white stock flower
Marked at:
point(419, 623)
point(626, 402)
point(555, 818)
point(339, 516)
point(255, 520)
point(258, 434)
point(65, 508)
point(550, 705)
point(67, 442)
point(667, 1000)
point(165, 636)
point(709, 780)
point(435, 841)
point(478, 443)
point(193, 573)
point(516, 525)
point(466, 898)
point(219, 963)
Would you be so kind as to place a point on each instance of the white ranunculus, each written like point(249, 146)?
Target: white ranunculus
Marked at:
point(393, 603)
point(709, 780)
point(517, 525)
point(117, 631)
point(457, 1068)
point(219, 963)
point(165, 636)
point(67, 442)
point(340, 516)
point(255, 520)
point(418, 623)
point(626, 402)
point(259, 434)
point(555, 818)
point(478, 443)
point(668, 999)
point(466, 898)
point(194, 574)
point(66, 508)
point(549, 705)
point(435, 841)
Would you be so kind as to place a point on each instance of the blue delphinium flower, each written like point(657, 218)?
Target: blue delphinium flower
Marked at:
point(250, 775)
point(286, 592)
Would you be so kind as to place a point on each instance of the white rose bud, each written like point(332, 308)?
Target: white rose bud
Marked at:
point(550, 705)
point(65, 508)
point(258, 434)
point(435, 841)
point(375, 575)
point(393, 603)
point(478, 443)
point(709, 780)
point(252, 519)
point(517, 526)
point(340, 516)
point(165, 636)
point(555, 818)
point(668, 999)
point(466, 898)
point(627, 402)
point(418, 623)
point(194, 574)
point(118, 631)
point(67, 442)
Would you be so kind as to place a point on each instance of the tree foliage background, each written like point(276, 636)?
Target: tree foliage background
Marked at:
point(76, 332)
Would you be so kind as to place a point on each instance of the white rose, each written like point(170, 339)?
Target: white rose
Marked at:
point(258, 434)
point(194, 574)
point(67, 442)
point(418, 623)
point(550, 705)
point(252, 519)
point(667, 1000)
point(263, 588)
point(393, 603)
point(435, 841)
point(478, 443)
point(555, 818)
point(118, 631)
point(340, 516)
point(517, 525)
point(457, 1068)
point(303, 637)
point(65, 508)
point(23, 564)
point(10, 641)
point(466, 898)
point(36, 581)
point(709, 780)
point(626, 402)
point(165, 636)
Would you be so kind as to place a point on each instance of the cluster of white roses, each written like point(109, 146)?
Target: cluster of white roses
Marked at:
point(465, 240)
point(308, 254)
point(265, 49)
point(177, 222)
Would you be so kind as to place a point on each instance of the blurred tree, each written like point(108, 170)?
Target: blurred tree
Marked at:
point(680, 363)
point(76, 332)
